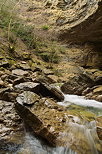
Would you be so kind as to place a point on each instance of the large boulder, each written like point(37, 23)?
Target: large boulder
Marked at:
point(41, 87)
point(76, 83)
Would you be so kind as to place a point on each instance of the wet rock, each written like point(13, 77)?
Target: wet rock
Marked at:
point(19, 72)
point(86, 91)
point(99, 127)
point(81, 111)
point(99, 98)
point(55, 123)
point(27, 98)
point(9, 146)
point(76, 84)
point(29, 86)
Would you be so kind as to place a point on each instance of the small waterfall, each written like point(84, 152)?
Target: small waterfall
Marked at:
point(87, 130)
point(88, 133)
point(33, 145)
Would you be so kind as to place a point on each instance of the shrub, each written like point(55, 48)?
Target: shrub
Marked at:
point(50, 53)
point(10, 22)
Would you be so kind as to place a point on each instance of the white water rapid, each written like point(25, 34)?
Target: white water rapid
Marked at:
point(80, 100)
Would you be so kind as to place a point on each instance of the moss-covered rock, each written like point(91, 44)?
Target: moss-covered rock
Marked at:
point(82, 113)
point(27, 98)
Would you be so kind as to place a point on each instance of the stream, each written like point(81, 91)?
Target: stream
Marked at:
point(27, 143)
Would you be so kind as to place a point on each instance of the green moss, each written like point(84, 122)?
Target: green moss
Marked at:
point(75, 107)
point(81, 112)
point(45, 27)
point(50, 56)
point(88, 115)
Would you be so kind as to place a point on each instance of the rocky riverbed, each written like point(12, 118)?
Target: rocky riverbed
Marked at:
point(34, 95)
point(31, 95)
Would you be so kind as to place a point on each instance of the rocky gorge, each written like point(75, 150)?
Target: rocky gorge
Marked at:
point(33, 96)
point(31, 90)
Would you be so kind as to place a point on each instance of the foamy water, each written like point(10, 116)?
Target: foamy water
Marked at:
point(80, 100)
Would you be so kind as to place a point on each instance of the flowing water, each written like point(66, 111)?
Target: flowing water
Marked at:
point(80, 100)
point(91, 105)
point(80, 134)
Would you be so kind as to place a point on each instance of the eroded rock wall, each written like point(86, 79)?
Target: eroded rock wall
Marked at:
point(77, 20)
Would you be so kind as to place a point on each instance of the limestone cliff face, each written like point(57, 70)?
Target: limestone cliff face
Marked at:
point(76, 20)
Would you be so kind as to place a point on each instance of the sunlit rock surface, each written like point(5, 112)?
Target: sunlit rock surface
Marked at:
point(77, 20)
